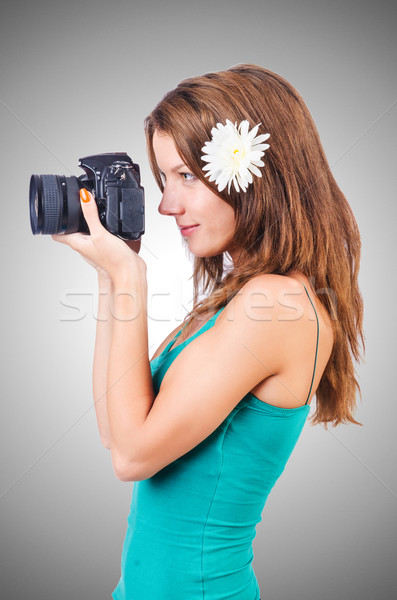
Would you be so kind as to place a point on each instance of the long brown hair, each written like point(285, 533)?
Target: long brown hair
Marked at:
point(294, 218)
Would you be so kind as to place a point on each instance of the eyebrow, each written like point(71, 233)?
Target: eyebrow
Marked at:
point(177, 167)
point(180, 166)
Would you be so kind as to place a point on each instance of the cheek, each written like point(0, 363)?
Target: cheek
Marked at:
point(217, 211)
point(228, 218)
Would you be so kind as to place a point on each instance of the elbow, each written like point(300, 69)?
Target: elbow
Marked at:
point(128, 470)
point(106, 442)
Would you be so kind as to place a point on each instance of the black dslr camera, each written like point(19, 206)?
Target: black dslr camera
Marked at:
point(113, 179)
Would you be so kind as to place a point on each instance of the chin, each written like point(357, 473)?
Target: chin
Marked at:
point(202, 254)
point(206, 253)
point(206, 250)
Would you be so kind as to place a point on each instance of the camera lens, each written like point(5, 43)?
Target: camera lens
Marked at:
point(54, 204)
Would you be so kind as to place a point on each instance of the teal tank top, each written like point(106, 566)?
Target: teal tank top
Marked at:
point(191, 525)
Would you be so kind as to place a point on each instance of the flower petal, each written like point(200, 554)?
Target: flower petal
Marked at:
point(233, 154)
point(253, 132)
point(255, 170)
point(261, 138)
point(243, 129)
point(260, 147)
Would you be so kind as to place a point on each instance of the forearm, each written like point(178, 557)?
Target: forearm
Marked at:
point(130, 390)
point(101, 357)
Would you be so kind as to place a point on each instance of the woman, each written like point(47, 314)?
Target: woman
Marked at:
point(206, 426)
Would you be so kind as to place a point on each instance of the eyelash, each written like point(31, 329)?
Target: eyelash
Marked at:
point(187, 176)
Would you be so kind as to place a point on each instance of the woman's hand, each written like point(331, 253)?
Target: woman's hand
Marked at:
point(112, 257)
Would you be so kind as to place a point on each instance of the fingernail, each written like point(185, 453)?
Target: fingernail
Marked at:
point(84, 195)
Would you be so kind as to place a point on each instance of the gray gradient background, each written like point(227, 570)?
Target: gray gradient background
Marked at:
point(79, 78)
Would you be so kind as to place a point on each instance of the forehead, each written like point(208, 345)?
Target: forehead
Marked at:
point(167, 155)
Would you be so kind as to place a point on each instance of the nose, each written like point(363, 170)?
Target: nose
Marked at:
point(171, 203)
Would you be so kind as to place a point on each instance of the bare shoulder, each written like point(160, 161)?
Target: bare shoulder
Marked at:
point(283, 311)
point(272, 297)
point(257, 293)
point(274, 312)
point(288, 296)
point(257, 344)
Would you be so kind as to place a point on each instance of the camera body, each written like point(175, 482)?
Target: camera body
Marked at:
point(114, 181)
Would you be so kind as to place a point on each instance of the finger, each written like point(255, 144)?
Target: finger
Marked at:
point(71, 239)
point(61, 237)
point(57, 238)
point(90, 211)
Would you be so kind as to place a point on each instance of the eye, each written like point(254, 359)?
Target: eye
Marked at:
point(187, 176)
point(162, 177)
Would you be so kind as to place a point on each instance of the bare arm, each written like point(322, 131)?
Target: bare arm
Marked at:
point(104, 329)
point(130, 389)
point(103, 338)
point(201, 387)
point(205, 381)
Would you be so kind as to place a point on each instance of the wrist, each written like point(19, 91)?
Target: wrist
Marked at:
point(129, 294)
point(105, 284)
point(129, 278)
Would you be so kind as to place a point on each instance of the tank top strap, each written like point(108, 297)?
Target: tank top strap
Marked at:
point(203, 328)
point(318, 334)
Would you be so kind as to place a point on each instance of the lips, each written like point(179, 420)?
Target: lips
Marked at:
point(186, 230)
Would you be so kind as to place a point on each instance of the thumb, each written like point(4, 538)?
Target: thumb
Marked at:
point(90, 211)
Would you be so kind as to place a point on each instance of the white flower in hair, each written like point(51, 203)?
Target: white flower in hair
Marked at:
point(233, 154)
